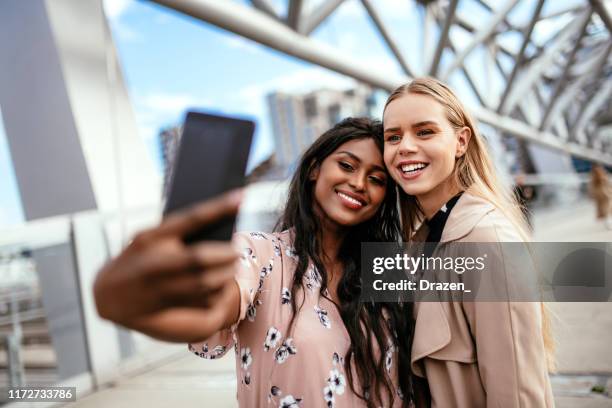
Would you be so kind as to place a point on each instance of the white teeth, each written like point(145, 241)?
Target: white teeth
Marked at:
point(413, 167)
point(348, 198)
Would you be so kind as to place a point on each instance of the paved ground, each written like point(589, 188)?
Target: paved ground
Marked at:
point(583, 332)
point(186, 382)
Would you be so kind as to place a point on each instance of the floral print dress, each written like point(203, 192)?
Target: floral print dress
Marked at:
point(275, 369)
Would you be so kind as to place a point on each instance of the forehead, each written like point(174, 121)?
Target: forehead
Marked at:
point(365, 149)
point(413, 108)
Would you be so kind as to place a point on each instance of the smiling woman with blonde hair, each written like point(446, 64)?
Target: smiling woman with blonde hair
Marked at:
point(470, 354)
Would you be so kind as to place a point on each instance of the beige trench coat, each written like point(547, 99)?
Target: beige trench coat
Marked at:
point(480, 354)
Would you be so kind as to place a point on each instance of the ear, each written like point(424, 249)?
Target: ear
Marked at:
point(463, 139)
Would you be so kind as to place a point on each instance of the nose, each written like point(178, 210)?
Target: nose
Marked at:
point(358, 181)
point(407, 145)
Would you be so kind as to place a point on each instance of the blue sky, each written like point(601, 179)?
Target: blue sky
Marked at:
point(172, 62)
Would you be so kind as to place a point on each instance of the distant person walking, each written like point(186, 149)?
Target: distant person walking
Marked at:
point(525, 195)
point(601, 191)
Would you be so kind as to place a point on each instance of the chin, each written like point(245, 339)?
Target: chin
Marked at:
point(414, 189)
point(345, 221)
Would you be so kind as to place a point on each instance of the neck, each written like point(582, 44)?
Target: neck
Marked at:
point(433, 200)
point(331, 239)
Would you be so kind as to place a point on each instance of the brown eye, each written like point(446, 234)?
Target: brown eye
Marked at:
point(393, 138)
point(377, 180)
point(346, 166)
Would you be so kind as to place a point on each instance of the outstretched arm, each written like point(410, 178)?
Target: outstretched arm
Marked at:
point(168, 290)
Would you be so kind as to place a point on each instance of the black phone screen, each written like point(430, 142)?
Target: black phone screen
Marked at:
point(211, 159)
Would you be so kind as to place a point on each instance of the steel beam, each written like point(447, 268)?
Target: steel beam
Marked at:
point(564, 78)
point(571, 92)
point(521, 55)
point(490, 9)
point(600, 8)
point(569, 95)
point(294, 13)
point(387, 37)
point(319, 15)
point(429, 21)
point(558, 13)
point(266, 7)
point(468, 76)
point(256, 26)
point(481, 36)
point(541, 63)
point(245, 21)
point(465, 22)
point(524, 131)
point(448, 21)
point(589, 109)
point(587, 64)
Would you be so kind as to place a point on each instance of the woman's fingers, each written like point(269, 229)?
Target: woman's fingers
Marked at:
point(213, 253)
point(170, 256)
point(186, 288)
point(192, 219)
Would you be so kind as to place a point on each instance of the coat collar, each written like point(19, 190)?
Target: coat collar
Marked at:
point(464, 217)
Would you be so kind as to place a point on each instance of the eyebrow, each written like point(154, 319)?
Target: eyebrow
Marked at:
point(393, 129)
point(425, 123)
point(357, 159)
point(416, 125)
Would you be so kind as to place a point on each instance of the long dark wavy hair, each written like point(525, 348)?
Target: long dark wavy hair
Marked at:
point(369, 324)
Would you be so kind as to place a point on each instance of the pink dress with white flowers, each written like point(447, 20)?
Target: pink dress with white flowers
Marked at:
point(304, 369)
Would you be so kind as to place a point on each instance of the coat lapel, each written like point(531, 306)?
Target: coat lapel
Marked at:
point(432, 329)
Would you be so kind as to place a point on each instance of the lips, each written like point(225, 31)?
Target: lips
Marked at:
point(351, 200)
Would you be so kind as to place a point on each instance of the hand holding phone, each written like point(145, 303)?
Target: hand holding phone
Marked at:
point(157, 276)
point(159, 285)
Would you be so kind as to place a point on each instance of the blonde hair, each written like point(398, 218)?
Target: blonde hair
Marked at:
point(474, 171)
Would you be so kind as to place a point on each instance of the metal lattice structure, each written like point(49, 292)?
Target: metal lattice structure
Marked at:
point(555, 93)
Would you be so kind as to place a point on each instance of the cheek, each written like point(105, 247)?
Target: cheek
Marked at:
point(377, 197)
point(443, 155)
point(388, 156)
point(319, 192)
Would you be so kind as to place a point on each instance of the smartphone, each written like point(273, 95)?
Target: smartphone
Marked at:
point(211, 159)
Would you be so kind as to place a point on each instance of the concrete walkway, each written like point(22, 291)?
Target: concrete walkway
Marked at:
point(583, 332)
point(185, 381)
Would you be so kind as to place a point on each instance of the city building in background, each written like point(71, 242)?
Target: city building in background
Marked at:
point(169, 139)
point(298, 119)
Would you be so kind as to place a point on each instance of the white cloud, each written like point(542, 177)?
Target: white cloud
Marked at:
point(162, 19)
point(160, 109)
point(4, 217)
point(116, 8)
point(171, 104)
point(126, 33)
point(10, 212)
point(348, 41)
point(241, 43)
point(299, 81)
